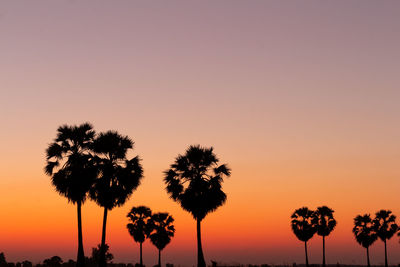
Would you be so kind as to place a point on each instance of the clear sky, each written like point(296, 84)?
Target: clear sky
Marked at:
point(300, 98)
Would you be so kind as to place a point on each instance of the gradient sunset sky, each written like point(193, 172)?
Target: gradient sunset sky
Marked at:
point(299, 98)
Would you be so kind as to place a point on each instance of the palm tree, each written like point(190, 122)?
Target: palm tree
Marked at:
point(325, 224)
point(118, 176)
point(385, 227)
point(303, 226)
point(140, 226)
point(364, 232)
point(70, 165)
point(163, 231)
point(194, 180)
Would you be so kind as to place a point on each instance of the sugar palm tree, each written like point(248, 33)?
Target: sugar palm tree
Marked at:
point(118, 177)
point(139, 227)
point(70, 165)
point(194, 181)
point(304, 226)
point(364, 232)
point(385, 227)
point(162, 231)
point(325, 224)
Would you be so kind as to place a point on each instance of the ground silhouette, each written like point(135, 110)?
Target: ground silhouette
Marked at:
point(194, 181)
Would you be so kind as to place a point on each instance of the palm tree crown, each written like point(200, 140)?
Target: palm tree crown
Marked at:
point(364, 230)
point(325, 222)
point(194, 180)
point(70, 163)
point(385, 224)
point(139, 227)
point(118, 176)
point(303, 224)
point(163, 229)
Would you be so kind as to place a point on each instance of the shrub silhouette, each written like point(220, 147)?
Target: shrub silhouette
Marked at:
point(304, 226)
point(325, 224)
point(118, 177)
point(364, 232)
point(139, 227)
point(71, 167)
point(96, 254)
point(385, 227)
point(162, 231)
point(194, 181)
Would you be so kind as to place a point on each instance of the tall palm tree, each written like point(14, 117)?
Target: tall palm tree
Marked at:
point(139, 227)
point(385, 227)
point(163, 231)
point(194, 181)
point(325, 224)
point(71, 167)
point(304, 226)
point(364, 232)
point(118, 177)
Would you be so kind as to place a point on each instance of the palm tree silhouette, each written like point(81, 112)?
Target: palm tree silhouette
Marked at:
point(140, 226)
point(194, 180)
point(325, 224)
point(385, 227)
point(71, 167)
point(364, 232)
point(162, 231)
point(118, 176)
point(304, 226)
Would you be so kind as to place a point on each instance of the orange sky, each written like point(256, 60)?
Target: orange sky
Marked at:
point(300, 99)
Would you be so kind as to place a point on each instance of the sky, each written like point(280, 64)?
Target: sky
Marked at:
point(299, 98)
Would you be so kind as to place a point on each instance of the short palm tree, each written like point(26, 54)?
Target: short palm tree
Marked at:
point(385, 227)
point(162, 231)
point(194, 181)
point(118, 177)
point(304, 226)
point(71, 167)
point(140, 226)
point(325, 224)
point(364, 232)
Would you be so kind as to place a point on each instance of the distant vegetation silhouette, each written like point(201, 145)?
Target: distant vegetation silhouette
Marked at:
point(71, 167)
point(97, 254)
point(304, 226)
point(364, 232)
point(139, 227)
point(385, 227)
point(325, 223)
point(194, 181)
point(117, 176)
point(162, 231)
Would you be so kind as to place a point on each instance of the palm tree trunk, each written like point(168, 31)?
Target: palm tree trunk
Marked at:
point(305, 248)
point(80, 262)
point(323, 251)
point(141, 259)
point(102, 259)
point(386, 261)
point(200, 257)
point(159, 258)
point(368, 264)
